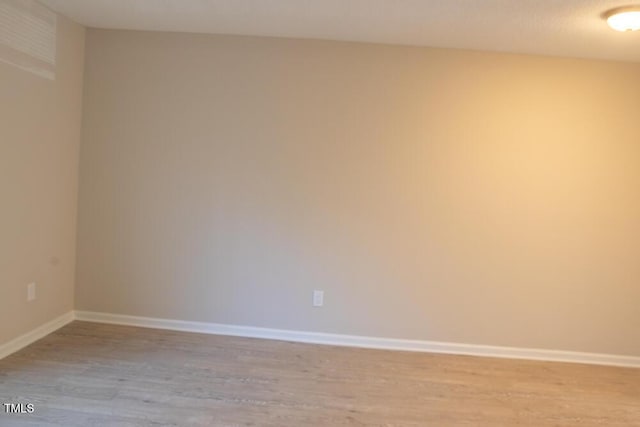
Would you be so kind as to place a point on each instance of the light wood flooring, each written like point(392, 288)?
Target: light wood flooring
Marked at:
point(90, 374)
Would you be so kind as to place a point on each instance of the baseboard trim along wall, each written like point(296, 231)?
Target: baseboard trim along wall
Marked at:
point(36, 334)
point(361, 341)
point(318, 338)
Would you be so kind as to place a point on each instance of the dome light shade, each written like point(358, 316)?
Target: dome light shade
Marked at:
point(624, 18)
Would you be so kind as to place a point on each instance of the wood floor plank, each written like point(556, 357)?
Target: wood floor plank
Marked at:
point(89, 374)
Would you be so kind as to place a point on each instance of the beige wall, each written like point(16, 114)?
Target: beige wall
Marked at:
point(433, 194)
point(40, 122)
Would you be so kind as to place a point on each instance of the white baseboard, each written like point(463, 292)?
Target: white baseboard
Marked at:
point(319, 338)
point(36, 334)
point(361, 341)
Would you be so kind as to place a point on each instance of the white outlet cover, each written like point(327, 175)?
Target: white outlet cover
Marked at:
point(318, 298)
point(31, 291)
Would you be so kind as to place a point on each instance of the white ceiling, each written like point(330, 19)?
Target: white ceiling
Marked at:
point(572, 28)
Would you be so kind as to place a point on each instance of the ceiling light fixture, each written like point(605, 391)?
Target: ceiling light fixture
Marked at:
point(624, 18)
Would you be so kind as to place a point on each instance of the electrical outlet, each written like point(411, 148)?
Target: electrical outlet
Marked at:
point(318, 298)
point(31, 292)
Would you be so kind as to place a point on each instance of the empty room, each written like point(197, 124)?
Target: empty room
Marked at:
point(319, 213)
